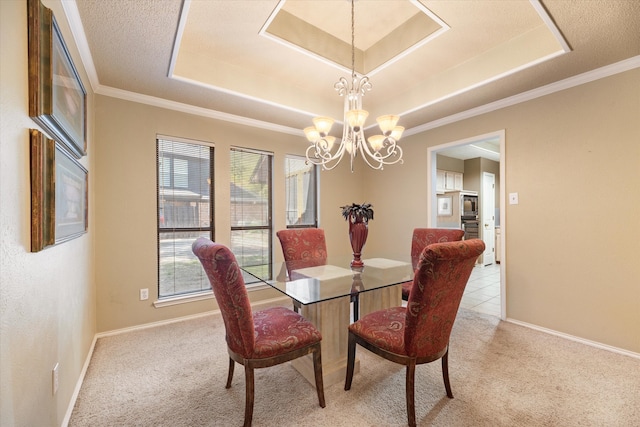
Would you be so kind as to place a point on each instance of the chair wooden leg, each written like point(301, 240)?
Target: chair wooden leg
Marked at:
point(445, 374)
point(351, 360)
point(317, 369)
point(410, 390)
point(230, 375)
point(248, 407)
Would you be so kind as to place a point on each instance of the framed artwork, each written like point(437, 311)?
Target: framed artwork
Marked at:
point(59, 193)
point(444, 206)
point(57, 98)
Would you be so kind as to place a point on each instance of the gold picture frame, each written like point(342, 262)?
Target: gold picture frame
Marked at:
point(59, 194)
point(57, 98)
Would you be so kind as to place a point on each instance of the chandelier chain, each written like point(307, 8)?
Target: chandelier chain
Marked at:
point(381, 149)
point(353, 38)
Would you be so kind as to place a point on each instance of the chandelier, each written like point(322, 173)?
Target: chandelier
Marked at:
point(381, 149)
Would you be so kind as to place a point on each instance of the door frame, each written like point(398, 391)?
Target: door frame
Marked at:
point(483, 219)
point(431, 198)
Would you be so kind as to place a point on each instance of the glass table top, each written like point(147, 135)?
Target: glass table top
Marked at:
point(335, 279)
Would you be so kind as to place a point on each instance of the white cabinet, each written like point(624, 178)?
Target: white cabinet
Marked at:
point(457, 181)
point(448, 181)
point(440, 181)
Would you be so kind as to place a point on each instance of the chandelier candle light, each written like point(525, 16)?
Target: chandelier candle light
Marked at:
point(381, 149)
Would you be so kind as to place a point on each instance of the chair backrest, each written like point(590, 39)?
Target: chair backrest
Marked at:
point(442, 274)
point(231, 294)
point(303, 247)
point(423, 237)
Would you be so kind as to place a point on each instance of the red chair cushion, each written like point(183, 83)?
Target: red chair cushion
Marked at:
point(279, 330)
point(384, 328)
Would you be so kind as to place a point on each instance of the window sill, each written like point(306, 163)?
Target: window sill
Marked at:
point(199, 296)
point(182, 299)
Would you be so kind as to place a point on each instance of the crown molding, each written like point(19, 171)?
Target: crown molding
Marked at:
point(580, 79)
point(600, 73)
point(191, 109)
point(75, 23)
point(80, 38)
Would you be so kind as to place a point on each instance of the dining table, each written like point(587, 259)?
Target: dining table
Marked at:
point(332, 295)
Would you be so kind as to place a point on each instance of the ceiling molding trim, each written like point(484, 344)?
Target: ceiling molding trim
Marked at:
point(242, 95)
point(267, 35)
point(580, 79)
point(182, 22)
point(486, 81)
point(191, 109)
point(77, 30)
point(444, 27)
point(551, 25)
point(410, 50)
point(544, 16)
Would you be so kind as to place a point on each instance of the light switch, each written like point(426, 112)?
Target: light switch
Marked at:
point(513, 198)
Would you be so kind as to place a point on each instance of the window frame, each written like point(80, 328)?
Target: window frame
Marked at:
point(315, 172)
point(269, 227)
point(163, 229)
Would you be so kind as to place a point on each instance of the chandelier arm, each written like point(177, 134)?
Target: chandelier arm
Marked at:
point(342, 86)
point(353, 139)
point(366, 158)
point(392, 150)
point(321, 157)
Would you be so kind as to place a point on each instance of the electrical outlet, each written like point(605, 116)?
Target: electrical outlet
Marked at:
point(144, 294)
point(513, 198)
point(54, 378)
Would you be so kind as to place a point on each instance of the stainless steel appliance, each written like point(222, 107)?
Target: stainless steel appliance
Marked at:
point(459, 209)
point(469, 215)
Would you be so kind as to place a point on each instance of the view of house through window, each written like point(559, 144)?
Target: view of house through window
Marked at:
point(185, 212)
point(251, 225)
point(301, 192)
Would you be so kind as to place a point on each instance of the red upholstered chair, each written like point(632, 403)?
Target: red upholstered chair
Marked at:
point(302, 247)
point(256, 340)
point(419, 333)
point(423, 237)
point(306, 245)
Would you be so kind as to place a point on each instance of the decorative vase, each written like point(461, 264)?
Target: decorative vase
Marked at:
point(358, 231)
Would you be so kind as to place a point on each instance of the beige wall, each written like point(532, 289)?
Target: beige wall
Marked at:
point(571, 242)
point(47, 299)
point(450, 164)
point(125, 189)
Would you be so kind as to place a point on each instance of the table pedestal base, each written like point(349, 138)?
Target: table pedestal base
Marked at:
point(332, 319)
point(332, 373)
point(379, 299)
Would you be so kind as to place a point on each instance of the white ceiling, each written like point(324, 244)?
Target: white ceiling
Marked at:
point(221, 58)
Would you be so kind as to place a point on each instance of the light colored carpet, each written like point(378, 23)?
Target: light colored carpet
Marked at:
point(501, 375)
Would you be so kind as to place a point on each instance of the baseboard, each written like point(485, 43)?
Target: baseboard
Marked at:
point(184, 318)
point(576, 339)
point(76, 391)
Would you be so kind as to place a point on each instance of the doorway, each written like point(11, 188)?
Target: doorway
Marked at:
point(490, 146)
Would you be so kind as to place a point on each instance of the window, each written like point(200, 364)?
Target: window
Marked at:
point(185, 212)
point(251, 225)
point(301, 192)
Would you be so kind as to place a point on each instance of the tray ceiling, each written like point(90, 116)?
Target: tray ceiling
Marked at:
point(273, 63)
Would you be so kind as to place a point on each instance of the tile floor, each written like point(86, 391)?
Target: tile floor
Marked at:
point(482, 293)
